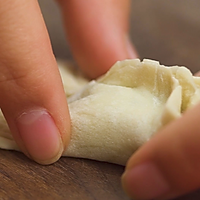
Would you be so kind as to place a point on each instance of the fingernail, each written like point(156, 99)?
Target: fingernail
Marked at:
point(40, 136)
point(145, 182)
point(130, 49)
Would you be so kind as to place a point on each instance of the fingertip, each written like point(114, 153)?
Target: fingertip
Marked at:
point(97, 33)
point(145, 181)
point(40, 136)
point(173, 155)
point(105, 55)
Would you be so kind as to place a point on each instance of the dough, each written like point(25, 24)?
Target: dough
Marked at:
point(114, 115)
point(72, 78)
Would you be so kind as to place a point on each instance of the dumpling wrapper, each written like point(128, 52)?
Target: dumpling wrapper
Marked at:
point(114, 115)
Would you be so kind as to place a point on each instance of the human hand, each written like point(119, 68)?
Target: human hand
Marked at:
point(33, 100)
point(167, 166)
point(32, 97)
point(98, 33)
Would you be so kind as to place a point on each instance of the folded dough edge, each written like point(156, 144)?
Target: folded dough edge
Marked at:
point(116, 114)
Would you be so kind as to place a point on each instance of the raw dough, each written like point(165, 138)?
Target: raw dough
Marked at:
point(114, 115)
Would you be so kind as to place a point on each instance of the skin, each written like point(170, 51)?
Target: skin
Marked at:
point(34, 100)
point(34, 103)
point(175, 152)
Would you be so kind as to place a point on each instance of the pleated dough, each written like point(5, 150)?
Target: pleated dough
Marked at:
point(114, 115)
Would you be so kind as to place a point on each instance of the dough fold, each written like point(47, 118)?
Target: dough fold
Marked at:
point(114, 115)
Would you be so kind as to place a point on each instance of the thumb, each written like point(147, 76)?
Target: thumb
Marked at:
point(32, 97)
point(168, 165)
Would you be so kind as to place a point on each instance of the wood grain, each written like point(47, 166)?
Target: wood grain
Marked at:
point(68, 178)
point(167, 31)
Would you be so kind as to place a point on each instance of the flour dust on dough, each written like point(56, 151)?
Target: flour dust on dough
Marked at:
point(112, 116)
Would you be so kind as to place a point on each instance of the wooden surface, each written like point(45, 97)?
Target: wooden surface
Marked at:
point(167, 31)
point(67, 179)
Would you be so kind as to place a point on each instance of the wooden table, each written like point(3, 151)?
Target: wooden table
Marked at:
point(167, 31)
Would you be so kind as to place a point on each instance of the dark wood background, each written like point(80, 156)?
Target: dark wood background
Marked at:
point(167, 31)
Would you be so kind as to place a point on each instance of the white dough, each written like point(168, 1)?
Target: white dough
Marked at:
point(114, 115)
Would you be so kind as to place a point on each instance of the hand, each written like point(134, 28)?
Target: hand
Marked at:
point(98, 33)
point(168, 165)
point(32, 97)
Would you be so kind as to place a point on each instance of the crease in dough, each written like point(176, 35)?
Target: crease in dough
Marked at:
point(111, 117)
